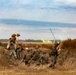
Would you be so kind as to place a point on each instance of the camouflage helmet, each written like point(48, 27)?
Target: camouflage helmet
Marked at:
point(13, 35)
point(17, 35)
point(36, 47)
point(56, 43)
point(44, 52)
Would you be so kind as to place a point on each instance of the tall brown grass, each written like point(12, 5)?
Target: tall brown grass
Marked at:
point(68, 44)
point(67, 56)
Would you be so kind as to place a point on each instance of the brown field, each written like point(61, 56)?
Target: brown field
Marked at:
point(11, 72)
point(66, 64)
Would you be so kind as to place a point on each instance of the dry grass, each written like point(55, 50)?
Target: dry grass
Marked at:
point(67, 56)
point(68, 44)
point(66, 64)
point(11, 72)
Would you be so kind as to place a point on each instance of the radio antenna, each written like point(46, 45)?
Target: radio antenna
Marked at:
point(53, 35)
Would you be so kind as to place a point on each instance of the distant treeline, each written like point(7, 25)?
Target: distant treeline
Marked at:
point(26, 40)
point(3, 40)
point(6, 40)
point(31, 40)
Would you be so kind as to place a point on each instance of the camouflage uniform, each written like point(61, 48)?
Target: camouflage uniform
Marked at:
point(36, 56)
point(18, 51)
point(54, 55)
point(12, 45)
point(12, 48)
point(12, 40)
point(27, 57)
point(44, 58)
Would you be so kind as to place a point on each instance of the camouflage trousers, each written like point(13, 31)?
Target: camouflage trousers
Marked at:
point(18, 54)
point(53, 61)
point(13, 53)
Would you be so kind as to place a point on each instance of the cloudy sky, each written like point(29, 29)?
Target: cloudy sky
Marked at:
point(58, 11)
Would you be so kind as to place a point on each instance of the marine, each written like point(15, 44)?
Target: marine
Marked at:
point(54, 54)
point(12, 44)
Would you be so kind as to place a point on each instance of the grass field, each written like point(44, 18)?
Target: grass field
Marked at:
point(66, 64)
point(51, 72)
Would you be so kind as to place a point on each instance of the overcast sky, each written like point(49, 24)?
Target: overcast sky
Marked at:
point(61, 11)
